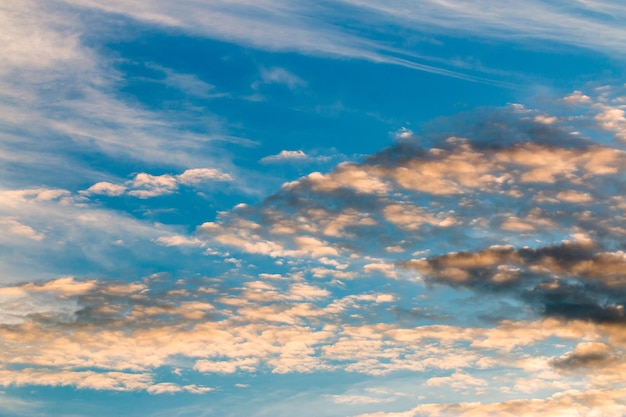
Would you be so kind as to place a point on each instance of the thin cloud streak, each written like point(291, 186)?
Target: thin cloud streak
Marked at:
point(302, 29)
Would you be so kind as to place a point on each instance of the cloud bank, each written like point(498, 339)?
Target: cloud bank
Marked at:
point(520, 210)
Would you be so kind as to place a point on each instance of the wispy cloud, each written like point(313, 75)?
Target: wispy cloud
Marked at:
point(282, 76)
point(60, 98)
point(585, 25)
point(279, 26)
point(297, 26)
point(55, 227)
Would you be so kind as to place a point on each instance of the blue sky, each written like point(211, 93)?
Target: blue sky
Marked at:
point(335, 208)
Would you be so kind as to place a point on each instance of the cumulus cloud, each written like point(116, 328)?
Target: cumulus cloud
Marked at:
point(540, 182)
point(105, 188)
point(198, 175)
point(145, 185)
point(286, 156)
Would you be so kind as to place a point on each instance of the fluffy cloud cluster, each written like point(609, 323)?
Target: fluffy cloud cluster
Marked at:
point(280, 325)
point(145, 185)
point(521, 211)
point(541, 182)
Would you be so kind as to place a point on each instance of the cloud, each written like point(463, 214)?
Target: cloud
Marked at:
point(588, 355)
point(171, 388)
point(189, 84)
point(105, 188)
point(540, 183)
point(274, 25)
point(383, 268)
point(286, 156)
point(359, 399)
point(348, 176)
point(323, 302)
point(595, 402)
point(572, 280)
point(49, 229)
point(226, 367)
point(145, 185)
point(199, 175)
point(281, 76)
point(114, 381)
point(179, 240)
point(15, 228)
point(305, 282)
point(538, 21)
point(281, 326)
point(60, 102)
point(278, 25)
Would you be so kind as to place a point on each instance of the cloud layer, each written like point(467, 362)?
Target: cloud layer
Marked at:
point(365, 270)
point(478, 260)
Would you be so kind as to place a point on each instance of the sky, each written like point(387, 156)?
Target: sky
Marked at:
point(353, 208)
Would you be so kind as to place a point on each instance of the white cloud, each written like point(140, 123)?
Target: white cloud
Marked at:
point(577, 97)
point(360, 399)
point(349, 176)
point(296, 25)
point(281, 76)
point(286, 156)
point(457, 381)
point(568, 403)
point(105, 188)
point(146, 185)
point(180, 240)
point(58, 93)
point(198, 175)
point(584, 25)
point(272, 25)
point(172, 388)
point(386, 269)
point(315, 247)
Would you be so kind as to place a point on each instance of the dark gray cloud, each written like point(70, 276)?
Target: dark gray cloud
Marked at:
point(573, 280)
